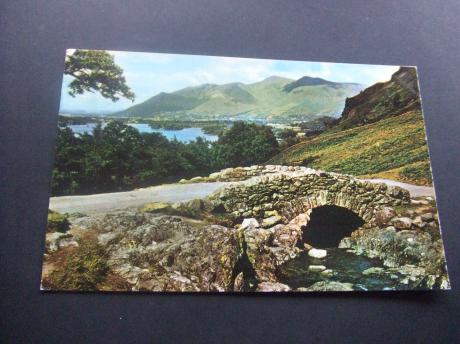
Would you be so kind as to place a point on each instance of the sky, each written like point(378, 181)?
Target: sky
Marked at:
point(148, 74)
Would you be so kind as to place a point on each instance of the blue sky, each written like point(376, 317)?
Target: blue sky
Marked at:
point(149, 74)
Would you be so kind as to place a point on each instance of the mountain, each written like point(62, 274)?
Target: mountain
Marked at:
point(380, 134)
point(383, 100)
point(163, 102)
point(274, 98)
point(307, 81)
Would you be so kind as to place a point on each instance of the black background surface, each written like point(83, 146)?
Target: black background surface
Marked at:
point(34, 35)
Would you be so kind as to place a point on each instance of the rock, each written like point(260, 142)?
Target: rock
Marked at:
point(316, 268)
point(427, 217)
point(373, 271)
point(301, 220)
point(330, 286)
point(270, 213)
point(317, 253)
point(197, 179)
point(384, 216)
point(328, 273)
point(307, 246)
point(57, 240)
point(160, 253)
point(272, 286)
point(419, 202)
point(419, 222)
point(156, 207)
point(249, 223)
point(302, 289)
point(105, 238)
point(402, 222)
point(238, 285)
point(214, 175)
point(271, 221)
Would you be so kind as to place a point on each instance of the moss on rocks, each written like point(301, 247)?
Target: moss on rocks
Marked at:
point(57, 222)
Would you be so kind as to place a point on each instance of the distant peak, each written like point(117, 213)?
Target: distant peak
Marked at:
point(307, 81)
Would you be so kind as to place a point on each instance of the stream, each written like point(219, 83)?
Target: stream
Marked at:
point(342, 266)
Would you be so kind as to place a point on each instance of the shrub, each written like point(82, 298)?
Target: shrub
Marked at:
point(57, 222)
point(420, 173)
point(84, 268)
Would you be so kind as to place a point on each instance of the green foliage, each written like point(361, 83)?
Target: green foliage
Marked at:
point(96, 71)
point(417, 172)
point(118, 157)
point(244, 144)
point(84, 269)
point(288, 138)
point(57, 222)
point(389, 144)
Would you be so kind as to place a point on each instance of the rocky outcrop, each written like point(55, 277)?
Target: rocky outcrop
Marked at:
point(383, 100)
point(408, 242)
point(167, 253)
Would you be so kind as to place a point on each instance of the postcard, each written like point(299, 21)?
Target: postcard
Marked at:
point(187, 173)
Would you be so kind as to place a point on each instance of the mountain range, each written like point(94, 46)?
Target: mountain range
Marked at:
point(275, 99)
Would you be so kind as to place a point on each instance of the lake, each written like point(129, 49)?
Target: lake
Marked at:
point(183, 135)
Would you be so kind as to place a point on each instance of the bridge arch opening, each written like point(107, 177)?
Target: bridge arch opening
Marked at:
point(328, 225)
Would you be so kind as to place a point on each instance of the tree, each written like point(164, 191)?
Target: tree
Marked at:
point(288, 138)
point(95, 70)
point(244, 144)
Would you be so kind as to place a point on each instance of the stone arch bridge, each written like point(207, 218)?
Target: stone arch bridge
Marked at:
point(279, 194)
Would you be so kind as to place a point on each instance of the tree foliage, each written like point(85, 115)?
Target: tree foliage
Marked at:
point(244, 144)
point(118, 157)
point(95, 70)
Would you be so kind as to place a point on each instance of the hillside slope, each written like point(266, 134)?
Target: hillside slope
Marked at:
point(381, 134)
point(274, 98)
point(393, 148)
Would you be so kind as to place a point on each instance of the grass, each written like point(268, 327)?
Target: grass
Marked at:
point(84, 268)
point(394, 148)
point(57, 222)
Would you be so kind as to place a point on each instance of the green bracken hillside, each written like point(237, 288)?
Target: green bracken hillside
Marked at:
point(393, 148)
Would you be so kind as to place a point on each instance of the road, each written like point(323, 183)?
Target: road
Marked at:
point(100, 203)
point(415, 190)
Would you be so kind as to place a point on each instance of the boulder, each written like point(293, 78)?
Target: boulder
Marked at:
point(373, 271)
point(271, 221)
point(427, 217)
point(402, 223)
point(316, 268)
point(330, 286)
point(249, 223)
point(383, 216)
point(272, 286)
point(317, 253)
point(418, 222)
